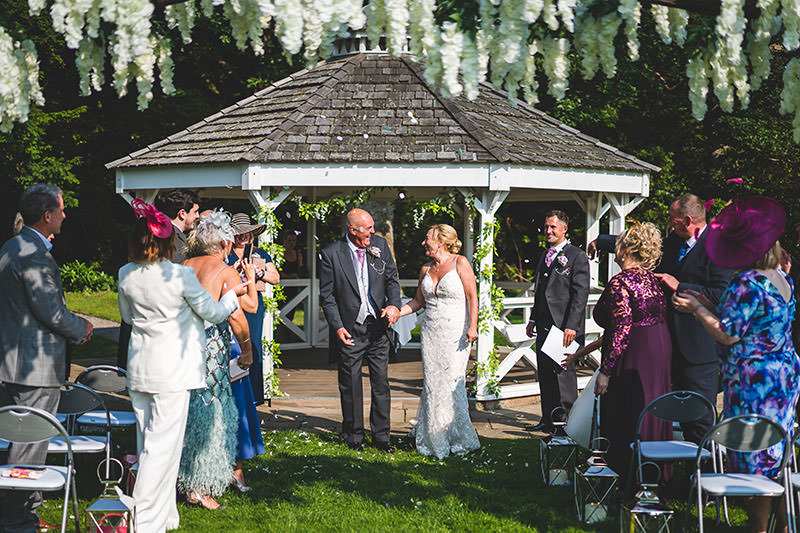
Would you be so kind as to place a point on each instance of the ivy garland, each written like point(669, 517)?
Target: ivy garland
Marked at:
point(488, 316)
point(272, 304)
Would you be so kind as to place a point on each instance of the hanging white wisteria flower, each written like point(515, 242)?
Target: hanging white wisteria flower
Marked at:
point(166, 67)
point(790, 14)
point(566, 11)
point(631, 13)
point(678, 21)
point(661, 19)
point(452, 44)
point(530, 87)
point(181, 16)
point(376, 20)
point(697, 70)
point(248, 20)
point(19, 82)
point(721, 79)
point(289, 24)
point(396, 26)
point(531, 9)
point(730, 30)
point(421, 24)
point(90, 61)
point(549, 14)
point(556, 65)
point(758, 39)
point(470, 68)
point(790, 95)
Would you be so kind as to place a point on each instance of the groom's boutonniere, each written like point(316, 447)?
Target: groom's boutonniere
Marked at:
point(562, 260)
point(374, 251)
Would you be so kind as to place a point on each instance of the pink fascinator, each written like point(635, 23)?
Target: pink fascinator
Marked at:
point(744, 231)
point(158, 223)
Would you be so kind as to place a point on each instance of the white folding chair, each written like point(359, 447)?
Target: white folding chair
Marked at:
point(109, 379)
point(745, 433)
point(21, 424)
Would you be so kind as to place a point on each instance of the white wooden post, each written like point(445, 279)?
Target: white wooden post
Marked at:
point(262, 202)
point(595, 209)
point(616, 223)
point(487, 206)
point(313, 314)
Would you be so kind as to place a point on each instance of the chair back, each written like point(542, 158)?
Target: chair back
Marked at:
point(677, 406)
point(24, 424)
point(77, 399)
point(104, 378)
point(747, 433)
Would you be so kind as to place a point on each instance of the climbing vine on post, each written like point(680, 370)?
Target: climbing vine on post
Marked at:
point(272, 300)
point(487, 315)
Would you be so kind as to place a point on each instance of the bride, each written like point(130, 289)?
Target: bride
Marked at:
point(447, 290)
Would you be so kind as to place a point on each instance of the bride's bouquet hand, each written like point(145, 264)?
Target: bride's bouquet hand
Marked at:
point(472, 334)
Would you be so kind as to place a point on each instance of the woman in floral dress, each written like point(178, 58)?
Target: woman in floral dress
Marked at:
point(753, 327)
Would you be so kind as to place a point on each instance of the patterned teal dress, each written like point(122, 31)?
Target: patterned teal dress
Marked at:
point(760, 372)
point(209, 446)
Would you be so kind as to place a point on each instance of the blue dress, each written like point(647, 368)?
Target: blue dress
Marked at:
point(760, 372)
point(256, 323)
point(249, 441)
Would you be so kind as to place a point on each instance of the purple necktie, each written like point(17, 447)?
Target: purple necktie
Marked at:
point(361, 253)
point(551, 254)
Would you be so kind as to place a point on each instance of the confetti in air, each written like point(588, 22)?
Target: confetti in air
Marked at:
point(734, 180)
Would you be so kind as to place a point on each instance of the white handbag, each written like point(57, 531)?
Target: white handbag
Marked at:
point(580, 419)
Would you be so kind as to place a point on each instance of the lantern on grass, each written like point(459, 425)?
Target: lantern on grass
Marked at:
point(595, 485)
point(113, 511)
point(557, 453)
point(645, 513)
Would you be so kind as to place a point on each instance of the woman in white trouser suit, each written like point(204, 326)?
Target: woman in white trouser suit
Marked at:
point(166, 306)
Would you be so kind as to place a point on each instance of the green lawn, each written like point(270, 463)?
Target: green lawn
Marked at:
point(102, 304)
point(308, 482)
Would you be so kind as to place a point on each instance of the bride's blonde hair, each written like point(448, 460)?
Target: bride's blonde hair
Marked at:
point(447, 235)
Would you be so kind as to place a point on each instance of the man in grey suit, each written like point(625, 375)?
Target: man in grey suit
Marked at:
point(562, 290)
point(358, 288)
point(35, 327)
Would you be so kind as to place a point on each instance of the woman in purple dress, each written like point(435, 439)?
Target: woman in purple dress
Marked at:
point(636, 347)
point(753, 326)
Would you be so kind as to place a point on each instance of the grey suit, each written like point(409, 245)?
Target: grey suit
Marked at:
point(562, 291)
point(340, 300)
point(35, 326)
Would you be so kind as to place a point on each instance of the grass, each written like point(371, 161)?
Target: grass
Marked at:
point(308, 482)
point(102, 304)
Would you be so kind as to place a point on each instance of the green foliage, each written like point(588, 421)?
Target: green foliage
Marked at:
point(81, 277)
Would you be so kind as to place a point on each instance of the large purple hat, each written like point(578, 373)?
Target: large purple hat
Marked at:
point(744, 231)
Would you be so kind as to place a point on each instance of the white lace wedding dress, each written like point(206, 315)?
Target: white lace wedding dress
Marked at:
point(443, 424)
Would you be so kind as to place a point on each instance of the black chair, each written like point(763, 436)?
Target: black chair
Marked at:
point(23, 424)
point(677, 406)
point(745, 433)
point(108, 379)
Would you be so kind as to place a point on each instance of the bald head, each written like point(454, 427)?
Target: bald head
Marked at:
point(360, 227)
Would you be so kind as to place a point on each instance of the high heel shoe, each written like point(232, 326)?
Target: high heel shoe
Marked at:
point(240, 484)
point(204, 500)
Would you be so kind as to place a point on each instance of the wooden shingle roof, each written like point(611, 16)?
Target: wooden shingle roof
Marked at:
point(378, 109)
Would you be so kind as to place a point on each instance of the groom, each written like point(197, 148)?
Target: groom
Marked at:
point(360, 295)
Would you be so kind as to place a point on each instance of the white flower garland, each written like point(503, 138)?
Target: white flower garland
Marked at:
point(19, 83)
point(397, 26)
point(678, 21)
point(530, 86)
point(661, 18)
point(631, 13)
point(470, 67)
point(697, 70)
point(790, 95)
point(452, 44)
point(790, 14)
point(556, 65)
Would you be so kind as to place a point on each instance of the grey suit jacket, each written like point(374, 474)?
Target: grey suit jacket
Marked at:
point(35, 324)
point(564, 289)
point(338, 287)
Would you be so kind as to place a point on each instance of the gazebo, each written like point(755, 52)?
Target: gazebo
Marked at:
point(365, 119)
